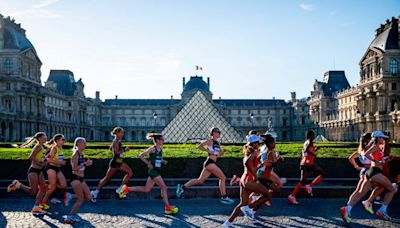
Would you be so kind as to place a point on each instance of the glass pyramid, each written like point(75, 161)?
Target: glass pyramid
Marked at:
point(194, 121)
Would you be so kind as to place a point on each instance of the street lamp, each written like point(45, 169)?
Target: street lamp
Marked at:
point(251, 119)
point(155, 118)
point(50, 113)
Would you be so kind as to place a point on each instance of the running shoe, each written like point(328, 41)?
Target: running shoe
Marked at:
point(227, 224)
point(248, 212)
point(171, 210)
point(179, 191)
point(36, 210)
point(253, 198)
point(383, 214)
point(44, 206)
point(396, 187)
point(343, 213)
point(234, 180)
point(367, 206)
point(71, 219)
point(55, 201)
point(119, 189)
point(292, 200)
point(309, 189)
point(94, 194)
point(13, 186)
point(226, 200)
point(122, 191)
point(67, 198)
point(268, 203)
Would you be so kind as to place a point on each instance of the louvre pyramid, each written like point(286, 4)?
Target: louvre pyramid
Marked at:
point(195, 120)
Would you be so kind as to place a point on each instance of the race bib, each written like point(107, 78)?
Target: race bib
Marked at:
point(158, 162)
point(83, 166)
point(216, 151)
point(260, 173)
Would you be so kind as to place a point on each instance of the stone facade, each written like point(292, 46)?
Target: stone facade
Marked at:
point(345, 112)
point(60, 106)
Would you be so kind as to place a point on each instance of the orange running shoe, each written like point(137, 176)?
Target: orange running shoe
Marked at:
point(44, 206)
point(13, 186)
point(292, 200)
point(171, 210)
point(345, 216)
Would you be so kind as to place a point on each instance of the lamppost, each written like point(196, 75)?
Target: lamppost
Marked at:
point(155, 118)
point(251, 119)
point(50, 113)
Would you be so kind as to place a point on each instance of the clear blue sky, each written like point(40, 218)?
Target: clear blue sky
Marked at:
point(250, 49)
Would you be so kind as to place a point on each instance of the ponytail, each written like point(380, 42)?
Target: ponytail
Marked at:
point(154, 136)
point(30, 140)
point(77, 140)
point(116, 130)
point(53, 141)
point(248, 150)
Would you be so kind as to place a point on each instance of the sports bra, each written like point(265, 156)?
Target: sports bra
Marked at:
point(214, 148)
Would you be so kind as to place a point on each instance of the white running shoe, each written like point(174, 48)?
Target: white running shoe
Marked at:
point(283, 180)
point(227, 224)
point(179, 191)
point(248, 212)
point(94, 194)
point(396, 187)
point(226, 200)
point(309, 189)
point(55, 201)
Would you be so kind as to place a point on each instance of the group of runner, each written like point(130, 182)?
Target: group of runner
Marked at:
point(257, 183)
point(375, 174)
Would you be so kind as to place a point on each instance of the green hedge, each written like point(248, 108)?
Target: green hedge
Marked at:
point(99, 150)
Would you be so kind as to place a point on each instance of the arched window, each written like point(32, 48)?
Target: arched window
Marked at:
point(8, 65)
point(394, 67)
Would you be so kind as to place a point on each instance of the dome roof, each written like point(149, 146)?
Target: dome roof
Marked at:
point(196, 82)
point(15, 40)
point(387, 36)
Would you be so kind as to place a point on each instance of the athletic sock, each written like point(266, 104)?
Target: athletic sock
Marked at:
point(316, 181)
point(296, 189)
point(348, 208)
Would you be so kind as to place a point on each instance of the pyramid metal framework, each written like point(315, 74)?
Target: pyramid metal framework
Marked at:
point(194, 121)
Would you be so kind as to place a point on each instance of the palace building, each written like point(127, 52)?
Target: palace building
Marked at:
point(343, 112)
point(61, 106)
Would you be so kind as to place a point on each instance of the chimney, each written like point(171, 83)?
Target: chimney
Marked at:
point(183, 82)
point(293, 95)
point(97, 95)
point(208, 82)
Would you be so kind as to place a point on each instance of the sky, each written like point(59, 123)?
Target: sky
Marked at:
point(250, 49)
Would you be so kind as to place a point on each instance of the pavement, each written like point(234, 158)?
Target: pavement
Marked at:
point(206, 212)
